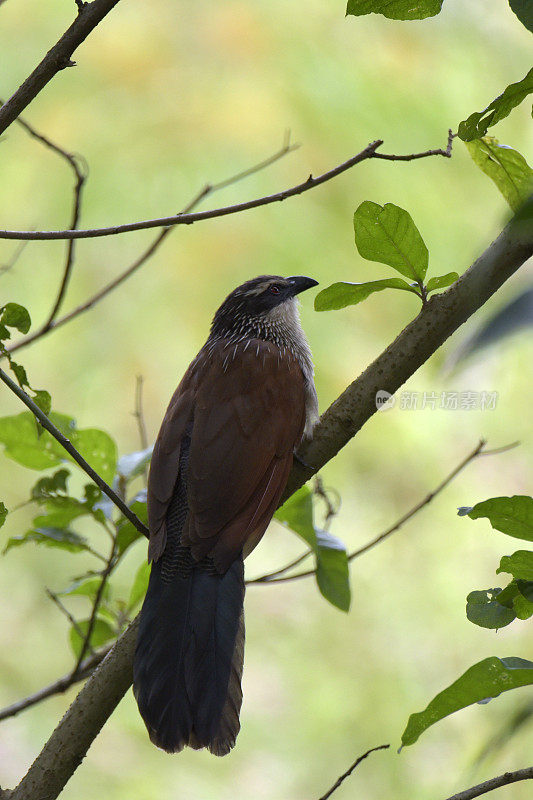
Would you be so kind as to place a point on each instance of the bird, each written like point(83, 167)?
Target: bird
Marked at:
point(219, 466)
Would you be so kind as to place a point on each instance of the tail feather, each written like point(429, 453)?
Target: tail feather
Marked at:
point(188, 660)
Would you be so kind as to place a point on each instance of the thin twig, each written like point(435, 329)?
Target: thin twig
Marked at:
point(447, 153)
point(14, 258)
point(189, 218)
point(494, 783)
point(479, 450)
point(138, 413)
point(56, 59)
point(207, 190)
point(64, 610)
point(69, 447)
point(349, 771)
point(57, 687)
point(86, 639)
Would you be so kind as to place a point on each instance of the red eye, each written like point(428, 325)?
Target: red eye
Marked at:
point(274, 290)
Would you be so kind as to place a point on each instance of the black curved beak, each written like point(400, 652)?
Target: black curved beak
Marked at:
point(299, 283)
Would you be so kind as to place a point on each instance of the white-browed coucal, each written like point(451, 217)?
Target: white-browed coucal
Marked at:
point(219, 466)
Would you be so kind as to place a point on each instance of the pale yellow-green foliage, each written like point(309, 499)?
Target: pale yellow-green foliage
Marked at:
point(166, 97)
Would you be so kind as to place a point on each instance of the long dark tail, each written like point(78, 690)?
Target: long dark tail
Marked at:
point(190, 647)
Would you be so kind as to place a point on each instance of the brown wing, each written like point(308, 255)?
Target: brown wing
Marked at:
point(247, 409)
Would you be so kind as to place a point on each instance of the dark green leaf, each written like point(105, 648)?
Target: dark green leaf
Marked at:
point(139, 586)
point(442, 281)
point(42, 399)
point(16, 316)
point(332, 572)
point(519, 565)
point(342, 294)
point(486, 679)
point(297, 513)
point(510, 515)
point(3, 513)
point(389, 235)
point(479, 122)
point(20, 373)
point(101, 634)
point(52, 537)
point(484, 610)
point(506, 167)
point(133, 464)
point(51, 485)
point(395, 9)
point(524, 11)
point(127, 533)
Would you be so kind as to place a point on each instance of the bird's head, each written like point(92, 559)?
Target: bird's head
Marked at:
point(259, 301)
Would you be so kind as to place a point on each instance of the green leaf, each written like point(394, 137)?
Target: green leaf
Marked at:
point(524, 11)
point(479, 122)
point(139, 586)
point(16, 316)
point(3, 513)
point(42, 399)
point(20, 373)
point(389, 235)
point(519, 565)
point(127, 533)
point(51, 486)
point(87, 587)
point(332, 571)
point(442, 281)
point(99, 449)
point(297, 513)
point(510, 515)
point(52, 537)
point(483, 609)
point(506, 167)
point(395, 9)
point(19, 436)
point(486, 679)
point(101, 634)
point(342, 294)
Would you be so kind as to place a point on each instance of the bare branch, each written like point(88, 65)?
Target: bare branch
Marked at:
point(479, 450)
point(207, 190)
point(189, 218)
point(64, 610)
point(56, 59)
point(447, 153)
point(78, 458)
point(86, 640)
point(349, 771)
point(494, 783)
point(57, 687)
point(80, 175)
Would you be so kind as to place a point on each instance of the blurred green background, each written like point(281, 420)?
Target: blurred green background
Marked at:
point(169, 96)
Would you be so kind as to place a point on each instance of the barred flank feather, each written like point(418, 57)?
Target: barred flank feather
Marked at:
point(189, 655)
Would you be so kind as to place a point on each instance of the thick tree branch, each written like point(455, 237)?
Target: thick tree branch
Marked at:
point(57, 58)
point(494, 783)
point(442, 315)
point(188, 219)
point(438, 320)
